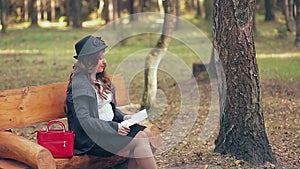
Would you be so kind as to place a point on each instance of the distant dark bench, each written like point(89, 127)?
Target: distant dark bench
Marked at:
point(20, 108)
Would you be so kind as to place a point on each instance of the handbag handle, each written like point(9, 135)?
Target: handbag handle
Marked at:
point(52, 122)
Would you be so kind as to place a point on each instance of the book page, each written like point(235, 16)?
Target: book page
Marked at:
point(135, 118)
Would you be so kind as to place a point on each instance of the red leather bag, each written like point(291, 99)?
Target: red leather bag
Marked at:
point(58, 141)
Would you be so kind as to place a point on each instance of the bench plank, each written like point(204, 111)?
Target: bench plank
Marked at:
point(35, 104)
point(31, 105)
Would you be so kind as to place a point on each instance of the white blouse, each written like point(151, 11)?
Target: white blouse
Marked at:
point(104, 107)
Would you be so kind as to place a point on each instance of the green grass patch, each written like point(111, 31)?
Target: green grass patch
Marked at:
point(36, 56)
point(286, 69)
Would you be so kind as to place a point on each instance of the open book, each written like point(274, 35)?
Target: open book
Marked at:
point(136, 118)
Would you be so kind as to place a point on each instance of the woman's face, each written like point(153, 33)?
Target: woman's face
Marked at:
point(101, 62)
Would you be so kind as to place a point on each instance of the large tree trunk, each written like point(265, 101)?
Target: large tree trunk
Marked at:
point(3, 5)
point(242, 131)
point(155, 56)
point(297, 41)
point(269, 6)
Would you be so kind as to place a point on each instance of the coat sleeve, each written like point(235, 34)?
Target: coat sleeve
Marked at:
point(86, 110)
point(83, 106)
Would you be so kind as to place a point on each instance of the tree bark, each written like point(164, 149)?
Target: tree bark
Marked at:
point(3, 5)
point(297, 41)
point(269, 6)
point(155, 56)
point(242, 131)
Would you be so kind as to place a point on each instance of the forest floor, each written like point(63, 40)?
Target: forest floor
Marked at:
point(281, 108)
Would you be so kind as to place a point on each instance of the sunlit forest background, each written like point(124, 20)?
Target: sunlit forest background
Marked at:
point(37, 47)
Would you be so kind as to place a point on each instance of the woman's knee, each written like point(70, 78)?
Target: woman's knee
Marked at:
point(141, 134)
point(148, 132)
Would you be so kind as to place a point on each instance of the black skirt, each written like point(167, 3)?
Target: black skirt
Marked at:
point(99, 151)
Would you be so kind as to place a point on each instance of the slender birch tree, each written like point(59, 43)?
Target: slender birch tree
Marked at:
point(154, 57)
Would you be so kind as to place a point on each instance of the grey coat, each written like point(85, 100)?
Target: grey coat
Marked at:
point(83, 119)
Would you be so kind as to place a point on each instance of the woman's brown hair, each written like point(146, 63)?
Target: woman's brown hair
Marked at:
point(87, 65)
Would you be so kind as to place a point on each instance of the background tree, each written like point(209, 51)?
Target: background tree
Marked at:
point(199, 10)
point(285, 7)
point(242, 131)
point(76, 13)
point(134, 7)
point(269, 14)
point(177, 13)
point(26, 11)
point(208, 7)
point(154, 57)
point(52, 2)
point(3, 8)
point(297, 41)
point(34, 13)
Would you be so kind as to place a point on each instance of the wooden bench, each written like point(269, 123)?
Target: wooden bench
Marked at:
point(20, 108)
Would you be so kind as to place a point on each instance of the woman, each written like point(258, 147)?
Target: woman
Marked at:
point(92, 112)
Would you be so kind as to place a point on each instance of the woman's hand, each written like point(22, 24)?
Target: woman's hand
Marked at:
point(123, 130)
point(126, 117)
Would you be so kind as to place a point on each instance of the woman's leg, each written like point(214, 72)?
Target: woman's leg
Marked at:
point(141, 151)
point(132, 164)
point(154, 140)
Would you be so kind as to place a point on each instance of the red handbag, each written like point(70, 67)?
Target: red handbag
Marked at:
point(58, 141)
